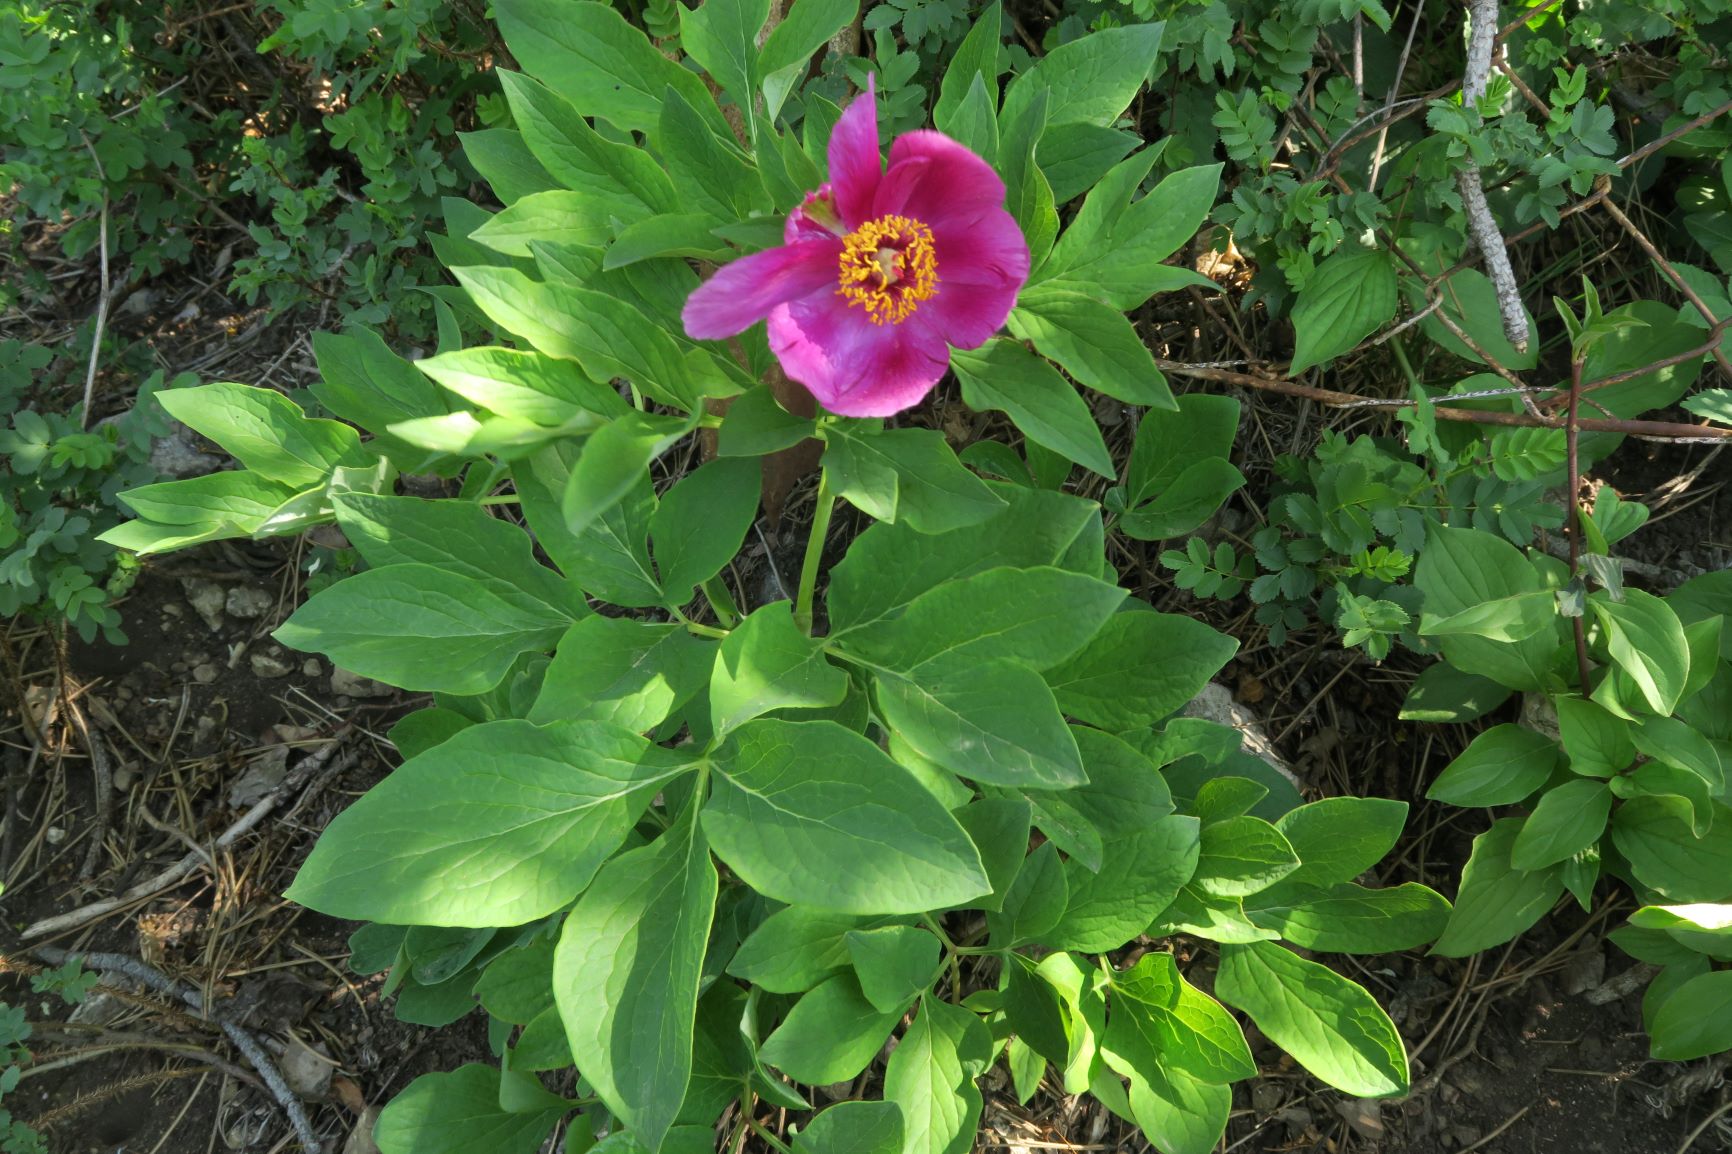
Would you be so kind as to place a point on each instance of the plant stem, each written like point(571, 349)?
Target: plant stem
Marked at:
point(697, 627)
point(814, 553)
point(501, 499)
point(764, 1133)
point(1573, 524)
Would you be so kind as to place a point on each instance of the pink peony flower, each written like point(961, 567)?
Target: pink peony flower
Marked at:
point(881, 273)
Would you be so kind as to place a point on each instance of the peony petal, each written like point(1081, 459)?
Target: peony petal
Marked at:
point(852, 366)
point(982, 265)
point(855, 165)
point(951, 181)
point(743, 293)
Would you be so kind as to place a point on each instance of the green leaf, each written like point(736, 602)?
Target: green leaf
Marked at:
point(236, 502)
point(613, 463)
point(1090, 80)
point(1330, 1025)
point(1463, 568)
point(1501, 766)
point(757, 424)
point(1005, 376)
point(1696, 1020)
point(524, 385)
point(1094, 342)
point(1496, 901)
point(906, 474)
point(610, 557)
point(1035, 901)
point(1443, 693)
point(1171, 441)
point(830, 1035)
point(710, 174)
point(1139, 667)
point(422, 628)
point(554, 217)
point(1668, 740)
point(634, 674)
point(814, 814)
point(893, 963)
point(1120, 263)
point(1039, 616)
point(1028, 195)
point(265, 431)
point(992, 721)
point(1597, 742)
point(998, 827)
point(722, 36)
point(1655, 835)
point(767, 663)
point(588, 54)
point(1159, 1019)
point(1647, 644)
point(1339, 838)
point(1514, 618)
point(786, 51)
point(1242, 855)
point(627, 971)
point(459, 537)
point(1190, 500)
point(931, 1076)
point(608, 337)
point(459, 1113)
point(1348, 296)
point(1138, 877)
point(1351, 919)
point(1568, 819)
point(1470, 300)
point(1714, 404)
point(615, 181)
point(1178, 1113)
point(508, 167)
point(795, 948)
point(500, 824)
point(977, 55)
point(701, 522)
point(853, 1128)
point(1125, 793)
point(887, 566)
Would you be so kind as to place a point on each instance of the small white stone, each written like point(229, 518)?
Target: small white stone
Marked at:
point(248, 601)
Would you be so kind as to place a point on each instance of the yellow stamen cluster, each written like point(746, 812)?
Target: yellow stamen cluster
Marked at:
point(888, 267)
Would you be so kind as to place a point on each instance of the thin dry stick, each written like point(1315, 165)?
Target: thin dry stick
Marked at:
point(102, 780)
point(1482, 41)
point(182, 869)
point(243, 1040)
point(1718, 1114)
point(101, 301)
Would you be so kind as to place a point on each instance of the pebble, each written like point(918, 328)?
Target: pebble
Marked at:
point(55, 835)
point(124, 777)
point(264, 665)
point(311, 668)
point(207, 599)
point(248, 601)
point(204, 674)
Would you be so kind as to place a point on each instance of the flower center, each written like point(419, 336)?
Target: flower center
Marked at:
point(888, 267)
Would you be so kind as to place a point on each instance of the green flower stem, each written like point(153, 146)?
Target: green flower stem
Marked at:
point(697, 627)
point(814, 553)
point(759, 1129)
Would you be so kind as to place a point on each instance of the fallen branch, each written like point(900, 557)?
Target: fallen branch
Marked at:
point(244, 1041)
point(181, 870)
point(1482, 40)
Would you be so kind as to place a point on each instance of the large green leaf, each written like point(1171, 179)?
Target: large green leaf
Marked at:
point(786, 51)
point(1140, 667)
point(1501, 766)
point(609, 558)
point(620, 181)
point(1696, 1020)
point(1647, 644)
point(1094, 342)
point(629, 672)
point(1462, 568)
point(1038, 616)
point(1655, 834)
point(993, 721)
point(853, 1128)
point(767, 663)
point(795, 948)
point(1332, 1026)
point(830, 1035)
point(1138, 877)
point(906, 475)
point(1179, 1114)
point(423, 628)
point(626, 976)
point(1005, 376)
point(1350, 919)
point(526, 385)
point(265, 431)
point(501, 824)
point(459, 1113)
point(931, 1076)
point(1159, 1019)
point(814, 814)
point(1339, 838)
point(723, 38)
point(1242, 855)
point(1348, 296)
point(1121, 262)
point(1597, 741)
point(588, 54)
point(1090, 80)
point(1496, 900)
point(700, 523)
point(1568, 819)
